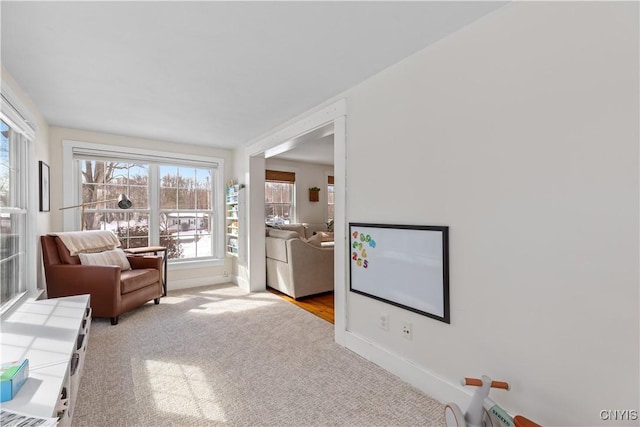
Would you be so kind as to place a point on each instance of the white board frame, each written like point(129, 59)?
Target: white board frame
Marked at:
point(403, 265)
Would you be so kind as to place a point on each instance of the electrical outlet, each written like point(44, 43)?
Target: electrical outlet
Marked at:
point(407, 330)
point(384, 321)
point(225, 273)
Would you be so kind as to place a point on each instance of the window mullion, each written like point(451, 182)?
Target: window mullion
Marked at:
point(154, 204)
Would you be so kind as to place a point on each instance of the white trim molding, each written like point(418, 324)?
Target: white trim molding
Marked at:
point(304, 125)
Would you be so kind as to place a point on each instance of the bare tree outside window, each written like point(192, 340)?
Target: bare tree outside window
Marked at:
point(102, 181)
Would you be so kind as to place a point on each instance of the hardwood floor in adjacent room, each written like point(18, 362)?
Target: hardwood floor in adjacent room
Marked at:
point(320, 305)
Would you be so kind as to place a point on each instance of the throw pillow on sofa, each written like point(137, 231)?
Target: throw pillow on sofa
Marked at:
point(320, 237)
point(113, 257)
point(325, 236)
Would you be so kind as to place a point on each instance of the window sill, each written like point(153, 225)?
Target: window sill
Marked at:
point(19, 300)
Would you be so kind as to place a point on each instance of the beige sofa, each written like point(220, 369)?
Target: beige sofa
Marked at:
point(300, 263)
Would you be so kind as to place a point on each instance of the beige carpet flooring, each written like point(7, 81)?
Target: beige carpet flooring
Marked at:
point(217, 356)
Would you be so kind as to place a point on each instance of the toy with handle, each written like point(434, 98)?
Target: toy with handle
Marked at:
point(482, 411)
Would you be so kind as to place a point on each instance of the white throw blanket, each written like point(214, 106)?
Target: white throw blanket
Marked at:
point(88, 241)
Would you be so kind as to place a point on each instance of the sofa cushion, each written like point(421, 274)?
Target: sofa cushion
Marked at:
point(133, 280)
point(113, 257)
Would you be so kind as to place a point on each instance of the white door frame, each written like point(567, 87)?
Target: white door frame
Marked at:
point(333, 114)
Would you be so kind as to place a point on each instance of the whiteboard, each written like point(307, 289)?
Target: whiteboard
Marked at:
point(403, 265)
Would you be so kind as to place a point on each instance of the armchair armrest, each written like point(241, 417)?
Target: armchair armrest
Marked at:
point(101, 282)
point(312, 269)
point(148, 261)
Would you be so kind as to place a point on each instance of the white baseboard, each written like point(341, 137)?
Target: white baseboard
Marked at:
point(197, 282)
point(440, 389)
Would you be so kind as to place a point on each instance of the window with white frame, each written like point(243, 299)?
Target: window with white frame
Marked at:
point(279, 188)
point(185, 208)
point(14, 208)
point(174, 202)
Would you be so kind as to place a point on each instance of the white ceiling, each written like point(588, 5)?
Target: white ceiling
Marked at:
point(319, 152)
point(209, 73)
point(315, 146)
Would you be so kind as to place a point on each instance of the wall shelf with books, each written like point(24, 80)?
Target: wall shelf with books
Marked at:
point(232, 222)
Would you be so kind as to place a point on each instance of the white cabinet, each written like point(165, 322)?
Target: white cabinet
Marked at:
point(53, 334)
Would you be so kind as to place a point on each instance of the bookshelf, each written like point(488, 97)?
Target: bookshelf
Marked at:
point(232, 223)
point(53, 334)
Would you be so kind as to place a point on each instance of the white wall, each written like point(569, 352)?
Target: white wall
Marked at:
point(520, 132)
point(177, 277)
point(41, 153)
point(307, 175)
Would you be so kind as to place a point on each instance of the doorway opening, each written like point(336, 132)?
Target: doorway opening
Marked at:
point(299, 183)
point(330, 120)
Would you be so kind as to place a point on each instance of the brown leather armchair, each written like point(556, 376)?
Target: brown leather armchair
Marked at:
point(112, 291)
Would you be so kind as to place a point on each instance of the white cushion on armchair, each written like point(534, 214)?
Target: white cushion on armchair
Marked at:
point(112, 257)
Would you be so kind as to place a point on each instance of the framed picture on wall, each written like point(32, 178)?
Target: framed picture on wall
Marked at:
point(45, 190)
point(403, 265)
